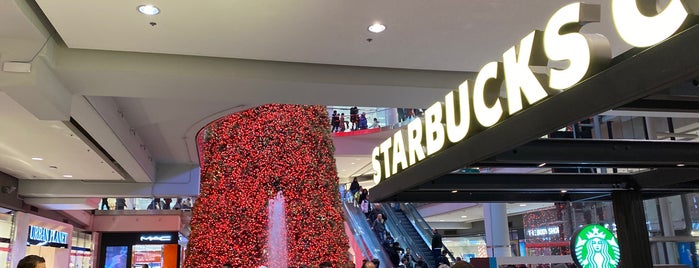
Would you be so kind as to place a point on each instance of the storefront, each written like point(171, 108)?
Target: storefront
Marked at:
point(44, 237)
point(157, 249)
point(6, 227)
point(81, 250)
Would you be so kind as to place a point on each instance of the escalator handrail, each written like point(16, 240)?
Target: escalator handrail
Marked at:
point(392, 224)
point(361, 223)
point(424, 228)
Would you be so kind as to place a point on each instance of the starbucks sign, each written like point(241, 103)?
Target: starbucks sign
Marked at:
point(595, 247)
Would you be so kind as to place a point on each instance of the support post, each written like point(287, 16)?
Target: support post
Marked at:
point(631, 229)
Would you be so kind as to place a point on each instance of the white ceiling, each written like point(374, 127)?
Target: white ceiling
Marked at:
point(444, 35)
point(24, 137)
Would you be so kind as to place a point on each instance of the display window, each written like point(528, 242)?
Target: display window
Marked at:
point(6, 228)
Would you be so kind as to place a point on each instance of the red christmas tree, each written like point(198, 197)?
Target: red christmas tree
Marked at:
point(246, 158)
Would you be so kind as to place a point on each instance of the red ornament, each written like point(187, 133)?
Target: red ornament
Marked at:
point(246, 158)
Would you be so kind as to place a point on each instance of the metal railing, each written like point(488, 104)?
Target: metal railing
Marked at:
point(422, 227)
point(399, 234)
point(368, 243)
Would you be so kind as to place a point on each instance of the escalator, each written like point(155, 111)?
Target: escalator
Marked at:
point(362, 238)
point(412, 231)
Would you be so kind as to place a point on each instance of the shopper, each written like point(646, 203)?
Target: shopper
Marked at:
point(436, 245)
point(120, 203)
point(354, 187)
point(105, 203)
point(379, 227)
point(32, 261)
point(375, 124)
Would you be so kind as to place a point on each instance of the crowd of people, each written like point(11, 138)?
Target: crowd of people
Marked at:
point(156, 203)
point(400, 257)
point(356, 121)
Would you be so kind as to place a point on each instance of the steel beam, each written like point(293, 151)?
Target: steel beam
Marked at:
point(599, 153)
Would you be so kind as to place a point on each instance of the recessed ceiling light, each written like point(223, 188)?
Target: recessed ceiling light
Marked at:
point(680, 165)
point(564, 191)
point(67, 176)
point(455, 191)
point(522, 205)
point(352, 163)
point(149, 10)
point(464, 216)
point(377, 28)
point(37, 158)
point(441, 220)
point(542, 164)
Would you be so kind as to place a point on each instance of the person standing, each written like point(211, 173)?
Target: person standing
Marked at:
point(120, 203)
point(354, 117)
point(32, 261)
point(354, 187)
point(105, 203)
point(335, 121)
point(342, 122)
point(436, 246)
point(379, 227)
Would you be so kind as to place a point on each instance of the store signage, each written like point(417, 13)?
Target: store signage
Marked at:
point(575, 56)
point(595, 247)
point(544, 231)
point(45, 235)
point(159, 238)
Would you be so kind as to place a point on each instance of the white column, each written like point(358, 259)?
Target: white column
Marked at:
point(497, 233)
point(668, 230)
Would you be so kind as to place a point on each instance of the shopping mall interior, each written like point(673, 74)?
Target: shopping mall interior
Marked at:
point(183, 134)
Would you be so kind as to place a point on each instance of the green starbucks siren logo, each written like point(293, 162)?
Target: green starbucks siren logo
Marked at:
point(595, 247)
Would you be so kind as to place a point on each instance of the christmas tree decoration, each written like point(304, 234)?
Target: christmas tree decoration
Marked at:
point(247, 158)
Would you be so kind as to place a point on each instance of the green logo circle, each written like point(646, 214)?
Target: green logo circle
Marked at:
point(595, 247)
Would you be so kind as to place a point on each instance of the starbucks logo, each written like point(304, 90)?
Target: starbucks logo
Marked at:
point(595, 247)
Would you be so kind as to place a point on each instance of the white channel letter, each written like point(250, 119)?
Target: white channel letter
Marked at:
point(376, 164)
point(415, 137)
point(583, 52)
point(457, 132)
point(640, 30)
point(518, 75)
point(487, 116)
point(386, 151)
point(399, 151)
point(434, 130)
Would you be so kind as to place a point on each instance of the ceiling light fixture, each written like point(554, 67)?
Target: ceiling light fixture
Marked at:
point(522, 205)
point(377, 28)
point(67, 176)
point(564, 191)
point(352, 163)
point(149, 10)
point(542, 164)
point(680, 165)
point(454, 191)
point(464, 216)
point(37, 158)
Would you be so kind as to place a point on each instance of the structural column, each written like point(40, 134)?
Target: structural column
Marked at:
point(631, 229)
point(497, 232)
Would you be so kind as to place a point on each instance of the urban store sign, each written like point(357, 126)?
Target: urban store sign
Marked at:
point(477, 105)
point(554, 230)
point(595, 247)
point(159, 238)
point(46, 236)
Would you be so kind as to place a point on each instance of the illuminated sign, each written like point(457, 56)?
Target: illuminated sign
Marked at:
point(574, 57)
point(47, 236)
point(595, 247)
point(160, 238)
point(544, 231)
